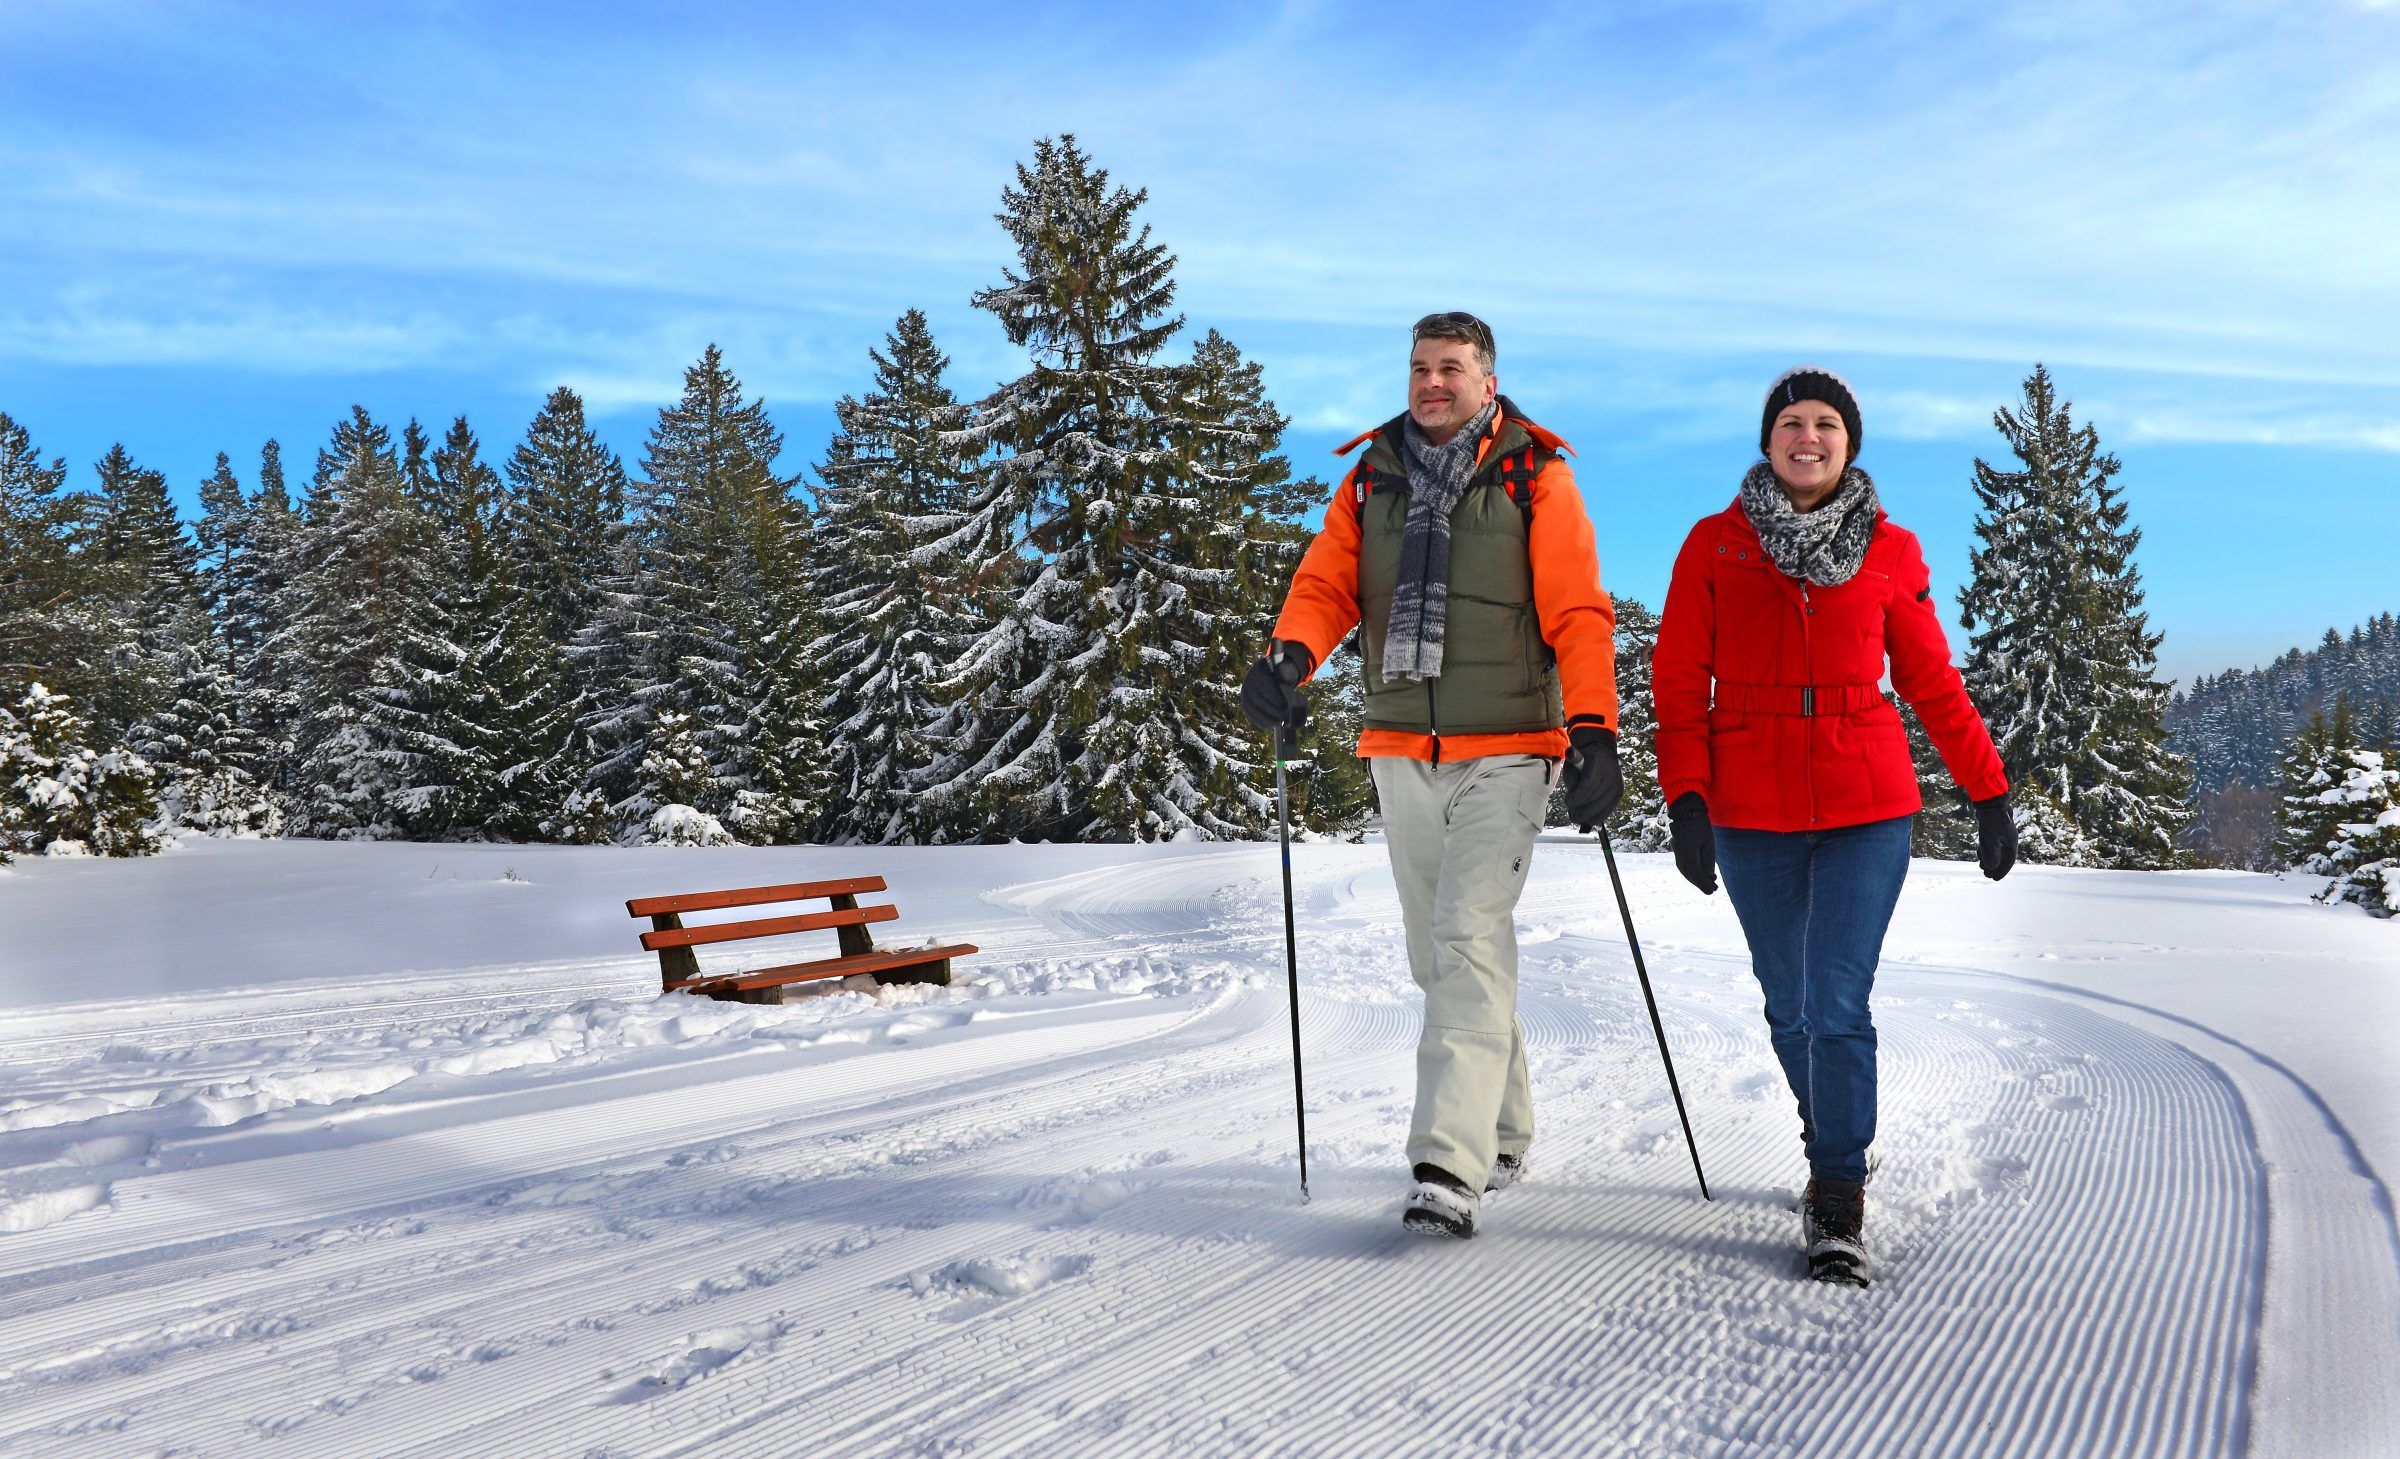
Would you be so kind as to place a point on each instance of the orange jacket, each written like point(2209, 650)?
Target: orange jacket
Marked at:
point(1577, 619)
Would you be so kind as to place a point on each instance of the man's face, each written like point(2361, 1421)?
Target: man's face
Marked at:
point(1446, 386)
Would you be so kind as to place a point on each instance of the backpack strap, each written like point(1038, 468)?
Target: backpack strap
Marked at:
point(1517, 472)
point(1518, 469)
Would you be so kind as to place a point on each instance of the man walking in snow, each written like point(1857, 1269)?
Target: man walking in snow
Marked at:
point(1461, 547)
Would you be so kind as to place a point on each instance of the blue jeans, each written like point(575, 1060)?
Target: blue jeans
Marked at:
point(1814, 906)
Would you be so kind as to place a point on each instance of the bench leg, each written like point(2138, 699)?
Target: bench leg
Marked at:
point(935, 972)
point(675, 964)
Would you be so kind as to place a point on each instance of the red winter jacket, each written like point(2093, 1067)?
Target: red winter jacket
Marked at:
point(1766, 687)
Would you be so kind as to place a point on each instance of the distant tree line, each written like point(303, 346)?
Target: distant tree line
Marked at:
point(2240, 728)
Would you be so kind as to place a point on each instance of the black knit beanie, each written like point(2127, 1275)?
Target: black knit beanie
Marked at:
point(1812, 382)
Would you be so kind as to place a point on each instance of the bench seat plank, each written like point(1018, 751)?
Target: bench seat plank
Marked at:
point(767, 927)
point(752, 896)
point(832, 967)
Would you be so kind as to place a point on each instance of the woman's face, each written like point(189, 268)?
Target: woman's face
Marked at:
point(1808, 449)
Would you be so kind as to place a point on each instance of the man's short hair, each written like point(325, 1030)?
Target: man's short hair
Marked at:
point(1459, 325)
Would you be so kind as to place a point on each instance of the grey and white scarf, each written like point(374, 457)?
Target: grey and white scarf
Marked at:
point(1437, 478)
point(1825, 546)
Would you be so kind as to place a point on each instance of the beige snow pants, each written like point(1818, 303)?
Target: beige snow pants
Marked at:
point(1460, 837)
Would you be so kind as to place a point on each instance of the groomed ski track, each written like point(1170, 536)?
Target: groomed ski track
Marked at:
point(1059, 1216)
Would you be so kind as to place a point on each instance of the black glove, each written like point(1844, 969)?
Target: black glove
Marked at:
point(1594, 779)
point(1995, 835)
point(1695, 840)
point(1271, 692)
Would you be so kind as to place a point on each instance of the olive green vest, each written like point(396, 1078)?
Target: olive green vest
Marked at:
point(1498, 676)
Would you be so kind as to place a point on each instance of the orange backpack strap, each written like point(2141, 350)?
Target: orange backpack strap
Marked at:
point(1517, 474)
point(1518, 471)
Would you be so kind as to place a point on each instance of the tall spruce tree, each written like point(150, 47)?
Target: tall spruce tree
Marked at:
point(1247, 533)
point(718, 540)
point(1072, 706)
point(2061, 659)
point(253, 624)
point(2313, 770)
point(38, 637)
point(221, 538)
point(359, 562)
point(476, 717)
point(146, 576)
point(891, 617)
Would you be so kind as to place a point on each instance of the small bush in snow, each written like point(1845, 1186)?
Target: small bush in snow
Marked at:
point(680, 825)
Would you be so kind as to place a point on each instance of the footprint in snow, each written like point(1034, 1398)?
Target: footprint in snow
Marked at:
point(706, 1353)
point(978, 1284)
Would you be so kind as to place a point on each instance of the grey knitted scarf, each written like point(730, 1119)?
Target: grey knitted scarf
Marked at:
point(1825, 546)
point(1437, 478)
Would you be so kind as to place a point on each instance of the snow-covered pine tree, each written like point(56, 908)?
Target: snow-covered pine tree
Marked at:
point(1640, 820)
point(254, 605)
point(61, 797)
point(145, 578)
point(891, 618)
point(221, 538)
point(2313, 768)
point(477, 714)
point(785, 784)
point(2133, 792)
point(717, 538)
point(1084, 530)
point(1247, 533)
point(205, 756)
point(38, 641)
point(1945, 828)
point(2363, 856)
point(566, 529)
point(566, 511)
point(2061, 660)
point(359, 561)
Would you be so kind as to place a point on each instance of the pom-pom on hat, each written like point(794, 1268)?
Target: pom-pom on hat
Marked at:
point(1812, 382)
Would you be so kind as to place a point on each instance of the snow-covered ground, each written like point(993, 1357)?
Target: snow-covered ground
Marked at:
point(395, 1150)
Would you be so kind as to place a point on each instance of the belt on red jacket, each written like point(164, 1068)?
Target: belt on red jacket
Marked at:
point(1805, 700)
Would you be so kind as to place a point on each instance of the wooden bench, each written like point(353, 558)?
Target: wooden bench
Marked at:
point(679, 966)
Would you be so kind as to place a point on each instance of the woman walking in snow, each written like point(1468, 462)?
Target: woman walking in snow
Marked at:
point(1785, 765)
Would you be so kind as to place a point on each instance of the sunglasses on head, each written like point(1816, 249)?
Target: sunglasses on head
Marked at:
point(1455, 324)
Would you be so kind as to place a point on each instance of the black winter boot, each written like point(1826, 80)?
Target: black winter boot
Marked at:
point(1833, 1217)
point(1441, 1204)
point(1507, 1170)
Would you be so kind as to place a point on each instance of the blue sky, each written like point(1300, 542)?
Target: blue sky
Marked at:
point(221, 222)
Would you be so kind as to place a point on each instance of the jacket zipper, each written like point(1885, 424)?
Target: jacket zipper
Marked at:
point(1808, 723)
point(1433, 716)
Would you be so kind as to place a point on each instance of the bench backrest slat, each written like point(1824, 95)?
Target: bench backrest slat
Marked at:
point(766, 927)
point(752, 896)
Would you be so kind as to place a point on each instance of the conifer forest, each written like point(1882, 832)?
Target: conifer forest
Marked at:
point(1022, 615)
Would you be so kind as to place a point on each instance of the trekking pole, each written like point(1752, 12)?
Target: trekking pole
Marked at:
point(1656, 1027)
point(1287, 747)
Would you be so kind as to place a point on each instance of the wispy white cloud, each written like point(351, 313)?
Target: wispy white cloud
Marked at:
point(2189, 192)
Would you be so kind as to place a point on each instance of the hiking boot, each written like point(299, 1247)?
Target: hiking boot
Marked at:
point(1507, 1170)
point(1833, 1216)
point(1441, 1204)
